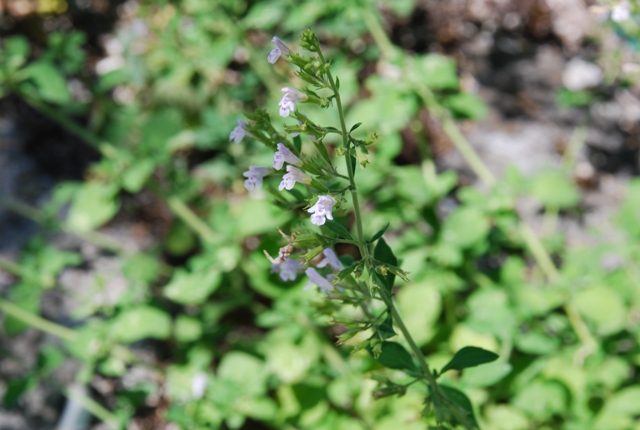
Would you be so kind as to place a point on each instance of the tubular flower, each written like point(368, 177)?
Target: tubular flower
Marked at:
point(317, 279)
point(254, 177)
point(288, 271)
point(282, 155)
point(294, 175)
point(289, 100)
point(322, 210)
point(280, 49)
point(238, 133)
point(331, 259)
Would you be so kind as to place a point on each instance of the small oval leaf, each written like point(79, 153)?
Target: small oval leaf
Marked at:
point(394, 356)
point(379, 234)
point(469, 356)
point(338, 229)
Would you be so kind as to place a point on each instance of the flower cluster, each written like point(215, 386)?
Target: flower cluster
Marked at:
point(289, 268)
point(297, 171)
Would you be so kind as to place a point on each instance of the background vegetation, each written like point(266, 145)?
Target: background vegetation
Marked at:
point(143, 296)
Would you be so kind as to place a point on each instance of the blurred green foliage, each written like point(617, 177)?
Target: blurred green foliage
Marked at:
point(265, 348)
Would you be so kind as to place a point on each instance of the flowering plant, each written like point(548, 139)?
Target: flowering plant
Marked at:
point(368, 281)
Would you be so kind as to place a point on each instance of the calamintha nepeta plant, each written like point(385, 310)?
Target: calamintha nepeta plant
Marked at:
point(363, 282)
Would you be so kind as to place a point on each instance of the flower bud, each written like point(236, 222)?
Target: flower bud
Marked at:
point(361, 156)
point(373, 138)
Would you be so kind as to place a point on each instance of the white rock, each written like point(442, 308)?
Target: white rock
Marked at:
point(580, 75)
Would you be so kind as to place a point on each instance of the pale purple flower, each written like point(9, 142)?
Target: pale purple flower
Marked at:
point(238, 133)
point(198, 385)
point(254, 177)
point(282, 155)
point(294, 175)
point(621, 12)
point(322, 210)
point(317, 279)
point(289, 100)
point(331, 259)
point(288, 271)
point(280, 49)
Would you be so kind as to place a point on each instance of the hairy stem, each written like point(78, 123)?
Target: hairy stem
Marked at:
point(93, 407)
point(37, 322)
point(39, 217)
point(364, 251)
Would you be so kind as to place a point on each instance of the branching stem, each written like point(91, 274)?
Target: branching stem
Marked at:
point(364, 250)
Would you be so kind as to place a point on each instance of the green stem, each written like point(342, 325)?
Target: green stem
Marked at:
point(354, 190)
point(397, 319)
point(363, 247)
point(40, 217)
point(10, 267)
point(36, 322)
point(93, 407)
point(180, 208)
point(61, 118)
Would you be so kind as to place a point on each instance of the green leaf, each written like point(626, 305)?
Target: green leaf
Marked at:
point(322, 149)
point(384, 254)
point(355, 127)
point(604, 307)
point(16, 51)
point(15, 388)
point(93, 205)
point(394, 356)
point(26, 296)
point(134, 178)
point(555, 190)
point(467, 105)
point(192, 288)
point(438, 72)
point(541, 399)
point(187, 329)
point(50, 84)
point(469, 356)
point(465, 227)
point(566, 98)
point(385, 330)
point(338, 228)
point(420, 305)
point(141, 323)
point(264, 15)
point(297, 143)
point(461, 399)
point(143, 268)
point(379, 234)
point(486, 375)
point(247, 372)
